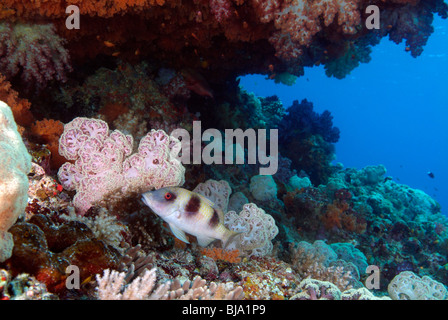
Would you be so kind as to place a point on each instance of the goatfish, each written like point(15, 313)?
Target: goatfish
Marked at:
point(189, 212)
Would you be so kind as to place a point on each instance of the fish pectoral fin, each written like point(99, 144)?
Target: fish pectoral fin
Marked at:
point(204, 241)
point(179, 234)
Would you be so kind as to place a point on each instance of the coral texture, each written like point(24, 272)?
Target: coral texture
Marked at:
point(20, 107)
point(45, 249)
point(408, 286)
point(105, 166)
point(35, 52)
point(48, 131)
point(112, 286)
point(216, 191)
point(278, 36)
point(258, 229)
point(263, 188)
point(15, 163)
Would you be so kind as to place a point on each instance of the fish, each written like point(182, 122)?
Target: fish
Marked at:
point(190, 212)
point(197, 83)
point(109, 44)
point(431, 174)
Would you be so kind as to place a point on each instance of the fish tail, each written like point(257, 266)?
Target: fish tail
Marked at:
point(231, 240)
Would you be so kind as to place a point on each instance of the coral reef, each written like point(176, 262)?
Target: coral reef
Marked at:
point(217, 191)
point(409, 286)
point(104, 164)
point(311, 289)
point(20, 107)
point(263, 188)
point(257, 227)
point(307, 138)
point(220, 37)
point(22, 287)
point(15, 163)
point(45, 250)
point(98, 104)
point(48, 131)
point(34, 52)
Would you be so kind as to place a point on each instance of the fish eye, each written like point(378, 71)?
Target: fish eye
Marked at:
point(169, 196)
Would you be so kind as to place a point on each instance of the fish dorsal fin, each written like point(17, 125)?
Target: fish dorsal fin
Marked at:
point(179, 234)
point(204, 241)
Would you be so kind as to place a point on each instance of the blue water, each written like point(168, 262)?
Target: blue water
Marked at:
point(392, 110)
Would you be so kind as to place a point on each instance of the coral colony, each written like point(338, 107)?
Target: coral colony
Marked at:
point(92, 118)
point(217, 152)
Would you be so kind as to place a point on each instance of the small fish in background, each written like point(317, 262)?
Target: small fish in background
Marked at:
point(430, 174)
point(189, 212)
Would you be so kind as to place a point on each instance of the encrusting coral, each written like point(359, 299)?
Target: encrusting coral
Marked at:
point(307, 232)
point(285, 35)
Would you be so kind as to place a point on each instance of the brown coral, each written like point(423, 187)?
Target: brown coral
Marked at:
point(20, 107)
point(48, 131)
point(45, 250)
point(231, 256)
point(339, 215)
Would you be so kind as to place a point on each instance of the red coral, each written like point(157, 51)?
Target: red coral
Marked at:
point(232, 256)
point(20, 107)
point(104, 165)
point(298, 21)
point(342, 194)
point(56, 8)
point(221, 9)
point(339, 215)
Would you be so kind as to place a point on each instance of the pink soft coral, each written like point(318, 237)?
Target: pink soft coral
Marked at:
point(35, 52)
point(298, 21)
point(105, 166)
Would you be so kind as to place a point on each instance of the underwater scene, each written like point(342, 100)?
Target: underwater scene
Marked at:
point(223, 150)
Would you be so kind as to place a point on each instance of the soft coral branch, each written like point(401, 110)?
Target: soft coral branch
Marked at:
point(33, 52)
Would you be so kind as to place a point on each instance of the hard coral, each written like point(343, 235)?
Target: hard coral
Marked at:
point(105, 166)
point(112, 286)
point(45, 250)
